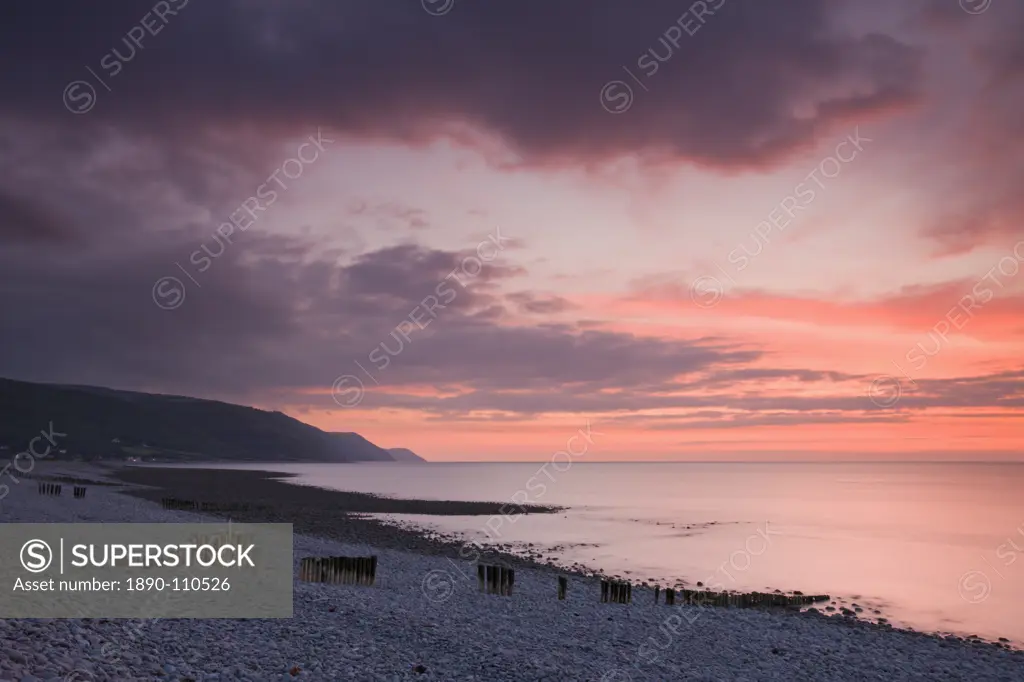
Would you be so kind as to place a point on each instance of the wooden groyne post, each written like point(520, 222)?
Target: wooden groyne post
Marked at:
point(563, 586)
point(50, 489)
point(79, 492)
point(495, 579)
point(616, 592)
point(180, 505)
point(339, 570)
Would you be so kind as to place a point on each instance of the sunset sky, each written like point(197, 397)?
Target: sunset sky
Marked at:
point(730, 229)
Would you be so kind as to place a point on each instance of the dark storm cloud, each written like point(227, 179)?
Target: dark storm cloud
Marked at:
point(752, 83)
point(986, 206)
point(22, 220)
point(276, 318)
point(192, 113)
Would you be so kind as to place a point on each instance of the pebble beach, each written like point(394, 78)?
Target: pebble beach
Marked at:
point(426, 620)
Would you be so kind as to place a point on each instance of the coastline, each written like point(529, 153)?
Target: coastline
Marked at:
point(335, 515)
point(453, 631)
point(329, 514)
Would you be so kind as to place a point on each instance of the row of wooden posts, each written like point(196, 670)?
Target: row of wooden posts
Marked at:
point(194, 505)
point(495, 579)
point(339, 570)
point(55, 489)
point(500, 580)
point(617, 592)
point(50, 489)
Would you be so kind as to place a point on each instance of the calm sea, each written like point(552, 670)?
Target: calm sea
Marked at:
point(937, 547)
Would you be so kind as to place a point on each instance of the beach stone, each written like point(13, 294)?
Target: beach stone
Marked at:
point(529, 636)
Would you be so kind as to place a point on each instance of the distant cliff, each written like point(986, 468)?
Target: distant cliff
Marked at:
point(102, 423)
point(404, 455)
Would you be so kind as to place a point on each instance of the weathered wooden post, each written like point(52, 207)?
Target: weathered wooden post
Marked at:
point(480, 569)
point(511, 581)
point(670, 597)
point(657, 593)
point(373, 570)
point(604, 591)
point(563, 585)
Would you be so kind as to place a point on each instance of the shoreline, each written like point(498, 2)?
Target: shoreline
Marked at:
point(425, 619)
point(334, 515)
point(331, 514)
